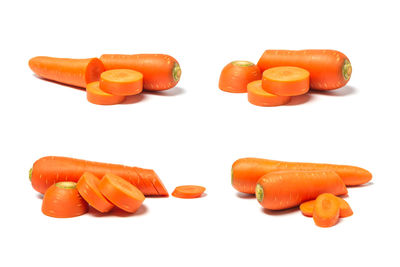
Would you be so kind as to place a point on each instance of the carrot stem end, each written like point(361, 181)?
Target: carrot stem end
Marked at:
point(259, 193)
point(346, 69)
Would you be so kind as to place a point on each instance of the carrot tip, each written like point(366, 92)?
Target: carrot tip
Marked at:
point(30, 174)
point(346, 69)
point(176, 72)
point(259, 193)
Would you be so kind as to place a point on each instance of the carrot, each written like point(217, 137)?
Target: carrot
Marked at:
point(188, 191)
point(160, 72)
point(285, 189)
point(121, 193)
point(62, 200)
point(97, 96)
point(49, 170)
point(326, 210)
point(329, 69)
point(76, 72)
point(257, 96)
point(246, 172)
point(236, 75)
point(286, 81)
point(88, 188)
point(307, 208)
point(121, 82)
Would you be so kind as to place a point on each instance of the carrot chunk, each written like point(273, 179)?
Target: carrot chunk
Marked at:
point(121, 82)
point(97, 96)
point(259, 97)
point(188, 191)
point(236, 75)
point(286, 81)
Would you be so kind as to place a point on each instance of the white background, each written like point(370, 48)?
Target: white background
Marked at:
point(193, 133)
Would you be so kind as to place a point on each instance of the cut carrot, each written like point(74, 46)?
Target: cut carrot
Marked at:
point(307, 208)
point(326, 210)
point(236, 75)
point(121, 193)
point(286, 81)
point(88, 188)
point(121, 82)
point(257, 96)
point(62, 200)
point(76, 72)
point(97, 96)
point(188, 191)
point(285, 189)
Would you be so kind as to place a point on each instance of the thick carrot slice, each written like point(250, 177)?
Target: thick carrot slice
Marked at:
point(259, 97)
point(326, 210)
point(236, 75)
point(62, 200)
point(188, 191)
point(121, 82)
point(307, 208)
point(286, 81)
point(121, 193)
point(76, 72)
point(97, 96)
point(88, 188)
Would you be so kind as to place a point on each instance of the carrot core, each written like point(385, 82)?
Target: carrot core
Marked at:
point(346, 69)
point(259, 193)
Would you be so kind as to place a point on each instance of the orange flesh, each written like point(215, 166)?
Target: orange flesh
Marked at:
point(257, 96)
point(307, 208)
point(286, 81)
point(97, 96)
point(236, 75)
point(121, 82)
point(326, 210)
point(188, 191)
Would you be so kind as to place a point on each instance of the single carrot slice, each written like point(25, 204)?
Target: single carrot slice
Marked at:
point(236, 75)
point(259, 97)
point(88, 188)
point(326, 210)
point(121, 82)
point(345, 209)
point(97, 96)
point(188, 191)
point(286, 81)
point(121, 193)
point(62, 200)
point(307, 208)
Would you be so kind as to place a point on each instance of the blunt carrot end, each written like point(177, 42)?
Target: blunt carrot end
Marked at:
point(243, 63)
point(66, 185)
point(259, 193)
point(176, 72)
point(346, 69)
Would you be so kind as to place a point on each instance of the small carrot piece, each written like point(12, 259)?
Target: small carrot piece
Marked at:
point(97, 96)
point(62, 200)
point(88, 188)
point(326, 210)
point(121, 193)
point(236, 75)
point(121, 82)
point(286, 81)
point(259, 97)
point(307, 208)
point(188, 191)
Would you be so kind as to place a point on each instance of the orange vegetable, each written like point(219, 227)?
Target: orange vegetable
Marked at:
point(236, 75)
point(286, 81)
point(160, 72)
point(257, 96)
point(97, 96)
point(76, 72)
point(326, 210)
point(121, 193)
point(188, 191)
point(329, 69)
point(307, 208)
point(121, 82)
point(62, 200)
point(285, 189)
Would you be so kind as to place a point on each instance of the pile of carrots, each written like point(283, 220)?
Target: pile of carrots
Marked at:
point(282, 74)
point(112, 77)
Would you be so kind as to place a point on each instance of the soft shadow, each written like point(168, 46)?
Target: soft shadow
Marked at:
point(245, 196)
point(157, 196)
point(300, 99)
point(39, 196)
point(132, 99)
point(170, 92)
point(279, 212)
point(344, 91)
point(360, 186)
point(62, 84)
point(116, 212)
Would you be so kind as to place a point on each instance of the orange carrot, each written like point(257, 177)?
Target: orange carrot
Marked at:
point(329, 69)
point(76, 72)
point(62, 200)
point(121, 82)
point(285, 189)
point(307, 208)
point(121, 193)
point(188, 191)
point(257, 96)
point(88, 188)
point(326, 210)
point(97, 96)
point(286, 81)
point(160, 72)
point(49, 170)
point(246, 172)
point(236, 75)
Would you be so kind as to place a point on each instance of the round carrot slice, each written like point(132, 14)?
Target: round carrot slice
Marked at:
point(236, 75)
point(188, 191)
point(121, 82)
point(97, 96)
point(62, 200)
point(121, 193)
point(259, 97)
point(88, 188)
point(286, 81)
point(307, 208)
point(326, 210)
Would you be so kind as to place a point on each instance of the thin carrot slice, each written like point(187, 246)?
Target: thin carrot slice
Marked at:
point(121, 82)
point(326, 210)
point(188, 191)
point(236, 75)
point(307, 208)
point(62, 200)
point(97, 96)
point(286, 81)
point(88, 188)
point(345, 209)
point(259, 97)
point(121, 193)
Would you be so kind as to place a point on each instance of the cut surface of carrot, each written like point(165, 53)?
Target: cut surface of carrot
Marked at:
point(121, 82)
point(259, 97)
point(188, 191)
point(286, 81)
point(326, 210)
point(97, 96)
point(236, 75)
point(307, 208)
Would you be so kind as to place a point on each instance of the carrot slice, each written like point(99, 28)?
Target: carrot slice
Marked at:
point(62, 200)
point(88, 188)
point(188, 191)
point(121, 193)
point(259, 97)
point(286, 81)
point(236, 75)
point(121, 82)
point(97, 96)
point(307, 208)
point(327, 210)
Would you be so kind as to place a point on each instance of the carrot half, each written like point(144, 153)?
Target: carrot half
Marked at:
point(188, 191)
point(329, 69)
point(257, 96)
point(246, 172)
point(236, 75)
point(76, 72)
point(286, 81)
point(121, 82)
point(49, 170)
point(62, 200)
point(307, 208)
point(97, 96)
point(160, 72)
point(285, 189)
point(326, 210)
